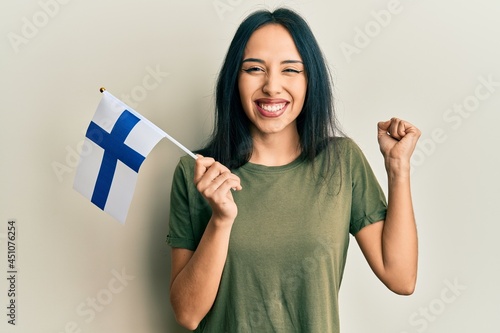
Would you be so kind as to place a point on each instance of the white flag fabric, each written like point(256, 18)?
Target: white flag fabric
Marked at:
point(117, 141)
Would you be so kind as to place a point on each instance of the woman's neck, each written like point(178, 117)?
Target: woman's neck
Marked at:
point(275, 149)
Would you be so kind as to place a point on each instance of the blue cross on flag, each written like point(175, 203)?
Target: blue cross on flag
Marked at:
point(117, 141)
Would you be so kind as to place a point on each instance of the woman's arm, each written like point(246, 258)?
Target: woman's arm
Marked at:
point(196, 275)
point(391, 246)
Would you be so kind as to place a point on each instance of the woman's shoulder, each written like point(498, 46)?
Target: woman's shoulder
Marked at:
point(342, 145)
point(343, 150)
point(185, 167)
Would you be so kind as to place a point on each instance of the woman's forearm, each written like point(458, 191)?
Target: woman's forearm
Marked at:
point(193, 290)
point(399, 236)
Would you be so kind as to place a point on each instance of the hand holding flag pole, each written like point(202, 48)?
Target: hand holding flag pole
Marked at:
point(116, 143)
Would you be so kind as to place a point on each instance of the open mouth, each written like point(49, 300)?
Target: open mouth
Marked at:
point(273, 108)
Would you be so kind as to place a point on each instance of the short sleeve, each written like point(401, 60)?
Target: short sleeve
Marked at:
point(180, 227)
point(369, 204)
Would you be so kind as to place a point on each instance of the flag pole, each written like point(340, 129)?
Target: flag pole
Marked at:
point(177, 143)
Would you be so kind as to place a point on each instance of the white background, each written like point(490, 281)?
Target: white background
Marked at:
point(54, 56)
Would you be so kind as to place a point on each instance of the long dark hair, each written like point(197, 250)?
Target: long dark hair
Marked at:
point(231, 142)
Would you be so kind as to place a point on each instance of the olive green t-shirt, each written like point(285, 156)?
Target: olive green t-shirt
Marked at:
point(288, 244)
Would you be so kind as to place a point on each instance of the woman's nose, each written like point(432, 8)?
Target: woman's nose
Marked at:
point(272, 85)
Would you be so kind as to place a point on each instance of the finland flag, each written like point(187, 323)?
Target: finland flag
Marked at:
point(117, 141)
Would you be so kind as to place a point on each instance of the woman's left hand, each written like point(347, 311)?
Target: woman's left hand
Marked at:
point(397, 139)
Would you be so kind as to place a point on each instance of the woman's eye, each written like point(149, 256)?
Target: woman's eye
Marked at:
point(252, 70)
point(292, 70)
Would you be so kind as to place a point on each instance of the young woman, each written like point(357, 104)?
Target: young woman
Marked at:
point(260, 227)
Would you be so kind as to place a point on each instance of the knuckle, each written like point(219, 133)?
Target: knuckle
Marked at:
point(221, 166)
point(207, 193)
point(231, 181)
point(226, 173)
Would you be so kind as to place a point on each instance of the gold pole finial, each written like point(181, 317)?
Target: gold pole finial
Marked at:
point(102, 89)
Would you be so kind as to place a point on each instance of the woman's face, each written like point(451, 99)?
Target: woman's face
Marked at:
point(272, 81)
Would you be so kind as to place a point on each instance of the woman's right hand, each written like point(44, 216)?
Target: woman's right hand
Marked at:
point(215, 181)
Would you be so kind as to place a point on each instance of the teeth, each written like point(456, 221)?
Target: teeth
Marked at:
point(272, 107)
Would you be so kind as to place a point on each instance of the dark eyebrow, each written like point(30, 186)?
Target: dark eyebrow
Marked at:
point(253, 60)
point(262, 61)
point(292, 62)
